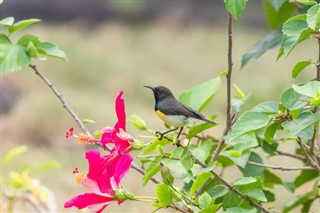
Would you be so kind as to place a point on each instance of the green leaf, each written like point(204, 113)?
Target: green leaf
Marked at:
point(32, 50)
point(307, 2)
point(211, 208)
point(204, 200)
point(198, 97)
point(194, 130)
point(13, 58)
point(289, 186)
point(238, 160)
point(276, 17)
point(153, 168)
point(269, 195)
point(305, 176)
point(257, 194)
point(154, 144)
point(276, 4)
point(240, 93)
point(217, 191)
point(269, 148)
point(8, 21)
point(21, 24)
point(301, 123)
point(26, 39)
point(269, 107)
point(180, 168)
point(244, 142)
point(310, 89)
point(244, 181)
point(296, 201)
point(88, 121)
point(235, 7)
point(50, 49)
point(295, 30)
point(291, 100)
point(46, 166)
point(164, 195)
point(13, 153)
point(199, 181)
point(138, 122)
point(240, 210)
point(202, 150)
point(271, 130)
point(299, 67)
point(247, 122)
point(269, 42)
point(270, 179)
point(313, 17)
point(252, 170)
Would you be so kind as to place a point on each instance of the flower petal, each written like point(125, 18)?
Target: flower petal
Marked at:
point(107, 136)
point(88, 200)
point(122, 167)
point(93, 157)
point(121, 114)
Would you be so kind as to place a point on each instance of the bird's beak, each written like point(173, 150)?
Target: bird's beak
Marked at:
point(152, 88)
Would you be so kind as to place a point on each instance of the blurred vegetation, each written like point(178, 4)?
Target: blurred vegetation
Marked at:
point(114, 56)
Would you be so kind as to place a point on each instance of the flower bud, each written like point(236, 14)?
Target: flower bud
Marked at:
point(138, 122)
point(166, 175)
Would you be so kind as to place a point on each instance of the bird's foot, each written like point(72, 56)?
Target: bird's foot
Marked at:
point(160, 134)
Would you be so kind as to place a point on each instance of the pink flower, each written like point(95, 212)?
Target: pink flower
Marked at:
point(104, 176)
point(118, 134)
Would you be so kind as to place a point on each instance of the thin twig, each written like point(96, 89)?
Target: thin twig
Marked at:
point(229, 119)
point(78, 120)
point(280, 167)
point(312, 162)
point(60, 97)
point(235, 190)
point(290, 155)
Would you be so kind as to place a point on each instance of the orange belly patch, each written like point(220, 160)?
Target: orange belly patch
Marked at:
point(160, 114)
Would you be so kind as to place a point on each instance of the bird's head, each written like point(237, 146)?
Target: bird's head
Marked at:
point(160, 92)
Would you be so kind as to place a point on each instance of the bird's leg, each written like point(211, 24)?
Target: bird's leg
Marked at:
point(163, 133)
point(178, 144)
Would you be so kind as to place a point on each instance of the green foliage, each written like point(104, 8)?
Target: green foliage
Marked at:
point(235, 7)
point(199, 181)
point(199, 97)
point(313, 17)
point(299, 67)
point(295, 30)
point(164, 195)
point(277, 12)
point(14, 57)
point(269, 42)
point(247, 122)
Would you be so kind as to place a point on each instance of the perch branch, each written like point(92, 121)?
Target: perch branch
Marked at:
point(312, 162)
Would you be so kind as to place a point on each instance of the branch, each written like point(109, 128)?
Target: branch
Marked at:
point(60, 97)
point(235, 190)
point(280, 167)
point(229, 118)
point(312, 162)
point(290, 155)
point(77, 119)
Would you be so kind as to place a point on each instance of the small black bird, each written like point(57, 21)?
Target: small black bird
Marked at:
point(173, 112)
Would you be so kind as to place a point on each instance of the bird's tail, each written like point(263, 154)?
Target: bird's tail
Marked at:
point(208, 121)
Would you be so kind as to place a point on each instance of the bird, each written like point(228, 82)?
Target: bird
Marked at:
point(173, 112)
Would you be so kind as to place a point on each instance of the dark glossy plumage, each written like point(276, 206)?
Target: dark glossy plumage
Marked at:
point(169, 105)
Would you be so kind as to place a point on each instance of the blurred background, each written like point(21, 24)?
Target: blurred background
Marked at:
point(123, 45)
